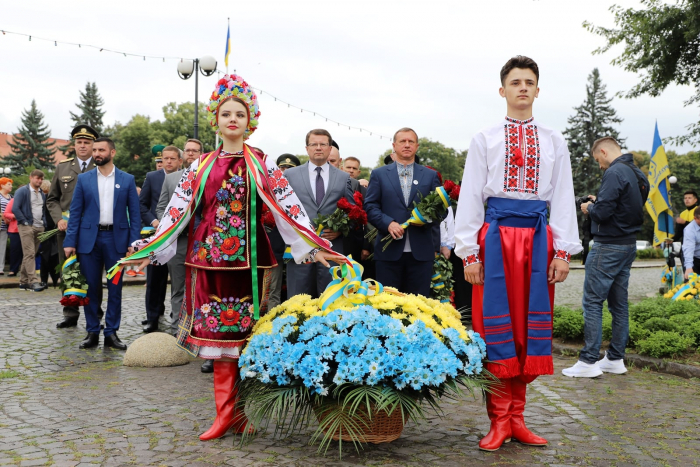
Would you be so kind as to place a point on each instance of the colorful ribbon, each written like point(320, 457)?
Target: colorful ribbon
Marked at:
point(347, 282)
point(79, 292)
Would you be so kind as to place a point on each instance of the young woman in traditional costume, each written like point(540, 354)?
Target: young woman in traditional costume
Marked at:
point(228, 254)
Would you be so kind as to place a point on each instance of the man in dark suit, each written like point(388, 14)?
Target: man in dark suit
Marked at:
point(156, 276)
point(352, 244)
point(60, 194)
point(319, 186)
point(407, 264)
point(105, 219)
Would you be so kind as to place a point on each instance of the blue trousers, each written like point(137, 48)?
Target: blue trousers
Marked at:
point(607, 277)
point(408, 275)
point(103, 256)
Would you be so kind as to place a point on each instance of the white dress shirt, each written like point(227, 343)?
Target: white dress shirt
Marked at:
point(545, 176)
point(325, 171)
point(86, 162)
point(105, 187)
point(447, 229)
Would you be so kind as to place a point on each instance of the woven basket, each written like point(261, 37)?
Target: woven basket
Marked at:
point(382, 428)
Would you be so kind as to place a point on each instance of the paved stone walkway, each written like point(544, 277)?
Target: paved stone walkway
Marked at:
point(62, 406)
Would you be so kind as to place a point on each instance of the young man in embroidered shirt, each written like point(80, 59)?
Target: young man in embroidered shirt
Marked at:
point(522, 170)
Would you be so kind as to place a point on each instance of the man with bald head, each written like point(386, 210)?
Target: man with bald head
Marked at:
point(616, 218)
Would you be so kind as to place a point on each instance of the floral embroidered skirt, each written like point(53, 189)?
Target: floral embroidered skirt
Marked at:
point(218, 313)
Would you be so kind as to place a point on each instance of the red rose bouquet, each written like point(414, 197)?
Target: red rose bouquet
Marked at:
point(346, 217)
point(267, 219)
point(73, 284)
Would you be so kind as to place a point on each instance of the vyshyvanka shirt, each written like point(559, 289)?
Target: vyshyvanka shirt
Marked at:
point(517, 159)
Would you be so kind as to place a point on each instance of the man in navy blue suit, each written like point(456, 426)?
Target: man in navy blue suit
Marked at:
point(156, 276)
point(104, 220)
point(407, 264)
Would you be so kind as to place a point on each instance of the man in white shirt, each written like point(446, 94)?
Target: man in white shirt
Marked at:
point(105, 219)
point(522, 169)
point(319, 186)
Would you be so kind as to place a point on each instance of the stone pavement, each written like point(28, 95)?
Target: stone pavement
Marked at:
point(62, 406)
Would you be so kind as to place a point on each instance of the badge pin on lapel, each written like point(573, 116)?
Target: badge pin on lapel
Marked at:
point(116, 186)
point(415, 182)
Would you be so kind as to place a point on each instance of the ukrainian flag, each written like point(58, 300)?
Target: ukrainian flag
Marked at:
point(228, 46)
point(659, 204)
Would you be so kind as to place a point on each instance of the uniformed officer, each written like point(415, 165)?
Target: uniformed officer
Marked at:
point(157, 152)
point(58, 200)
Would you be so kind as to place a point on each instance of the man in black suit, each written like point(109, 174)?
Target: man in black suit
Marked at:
point(156, 276)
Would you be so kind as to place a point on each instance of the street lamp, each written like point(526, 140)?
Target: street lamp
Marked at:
point(6, 170)
point(186, 68)
point(672, 180)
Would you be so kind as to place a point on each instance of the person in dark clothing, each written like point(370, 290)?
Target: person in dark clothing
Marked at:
point(616, 217)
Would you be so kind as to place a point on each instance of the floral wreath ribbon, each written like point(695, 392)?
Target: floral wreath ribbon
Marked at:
point(416, 216)
point(79, 292)
point(347, 282)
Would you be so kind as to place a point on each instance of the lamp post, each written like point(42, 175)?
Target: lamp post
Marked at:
point(185, 69)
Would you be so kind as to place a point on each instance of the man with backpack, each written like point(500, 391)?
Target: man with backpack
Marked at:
point(616, 217)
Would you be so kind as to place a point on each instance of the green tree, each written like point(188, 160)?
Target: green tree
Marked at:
point(178, 126)
point(91, 113)
point(449, 162)
point(661, 45)
point(134, 141)
point(31, 146)
point(592, 120)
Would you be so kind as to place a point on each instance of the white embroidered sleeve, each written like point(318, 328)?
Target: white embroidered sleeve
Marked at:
point(447, 229)
point(562, 215)
point(470, 208)
point(177, 207)
point(290, 204)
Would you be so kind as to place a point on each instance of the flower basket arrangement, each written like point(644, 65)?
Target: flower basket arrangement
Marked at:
point(345, 218)
point(362, 365)
point(73, 284)
point(432, 206)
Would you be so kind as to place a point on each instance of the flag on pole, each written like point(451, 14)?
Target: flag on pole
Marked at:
point(659, 203)
point(228, 45)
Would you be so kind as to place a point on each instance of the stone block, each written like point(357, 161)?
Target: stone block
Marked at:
point(154, 350)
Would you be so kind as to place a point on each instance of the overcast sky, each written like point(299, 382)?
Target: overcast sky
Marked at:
point(378, 64)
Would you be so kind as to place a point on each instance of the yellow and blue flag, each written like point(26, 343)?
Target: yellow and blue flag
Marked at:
point(228, 46)
point(659, 203)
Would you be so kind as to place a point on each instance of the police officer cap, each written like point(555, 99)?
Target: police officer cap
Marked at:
point(335, 145)
point(84, 132)
point(288, 160)
point(157, 151)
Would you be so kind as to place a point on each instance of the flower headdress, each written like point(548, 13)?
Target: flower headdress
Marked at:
point(234, 86)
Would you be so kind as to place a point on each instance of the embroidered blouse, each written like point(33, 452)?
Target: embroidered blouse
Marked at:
point(517, 159)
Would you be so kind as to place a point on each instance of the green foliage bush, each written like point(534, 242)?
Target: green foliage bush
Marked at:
point(568, 323)
point(662, 344)
point(651, 308)
point(692, 331)
point(682, 307)
point(637, 333)
point(685, 320)
point(660, 324)
point(650, 253)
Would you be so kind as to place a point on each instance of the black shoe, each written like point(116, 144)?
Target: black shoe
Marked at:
point(67, 323)
point(44, 285)
point(150, 327)
point(36, 287)
point(208, 366)
point(91, 340)
point(114, 342)
point(145, 322)
point(24, 287)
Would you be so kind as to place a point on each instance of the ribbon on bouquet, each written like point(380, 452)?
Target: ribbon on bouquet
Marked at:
point(347, 282)
point(79, 292)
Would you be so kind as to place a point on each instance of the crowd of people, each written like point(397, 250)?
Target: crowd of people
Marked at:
point(222, 226)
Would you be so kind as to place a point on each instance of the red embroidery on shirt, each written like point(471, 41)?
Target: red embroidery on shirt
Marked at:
point(563, 255)
point(521, 176)
point(471, 259)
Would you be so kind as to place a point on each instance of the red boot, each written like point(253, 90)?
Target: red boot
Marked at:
point(498, 408)
point(517, 421)
point(225, 397)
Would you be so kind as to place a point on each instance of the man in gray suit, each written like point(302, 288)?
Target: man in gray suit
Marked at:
point(319, 186)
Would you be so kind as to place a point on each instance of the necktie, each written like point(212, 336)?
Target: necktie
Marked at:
point(84, 165)
point(320, 190)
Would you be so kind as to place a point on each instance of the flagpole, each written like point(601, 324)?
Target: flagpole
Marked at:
point(228, 42)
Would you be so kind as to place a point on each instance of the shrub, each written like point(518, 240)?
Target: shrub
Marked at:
point(651, 308)
point(661, 344)
point(660, 324)
point(568, 323)
point(650, 253)
point(682, 307)
point(685, 320)
point(637, 333)
point(607, 325)
point(692, 331)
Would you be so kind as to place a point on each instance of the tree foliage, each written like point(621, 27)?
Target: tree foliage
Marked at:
point(661, 44)
point(178, 126)
point(32, 145)
point(592, 120)
point(91, 113)
point(448, 161)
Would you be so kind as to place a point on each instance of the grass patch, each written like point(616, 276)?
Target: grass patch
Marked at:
point(6, 374)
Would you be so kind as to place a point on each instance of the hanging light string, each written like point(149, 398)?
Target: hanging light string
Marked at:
point(164, 58)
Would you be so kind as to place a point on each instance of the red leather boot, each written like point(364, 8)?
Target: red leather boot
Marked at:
point(498, 407)
point(225, 397)
point(517, 421)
